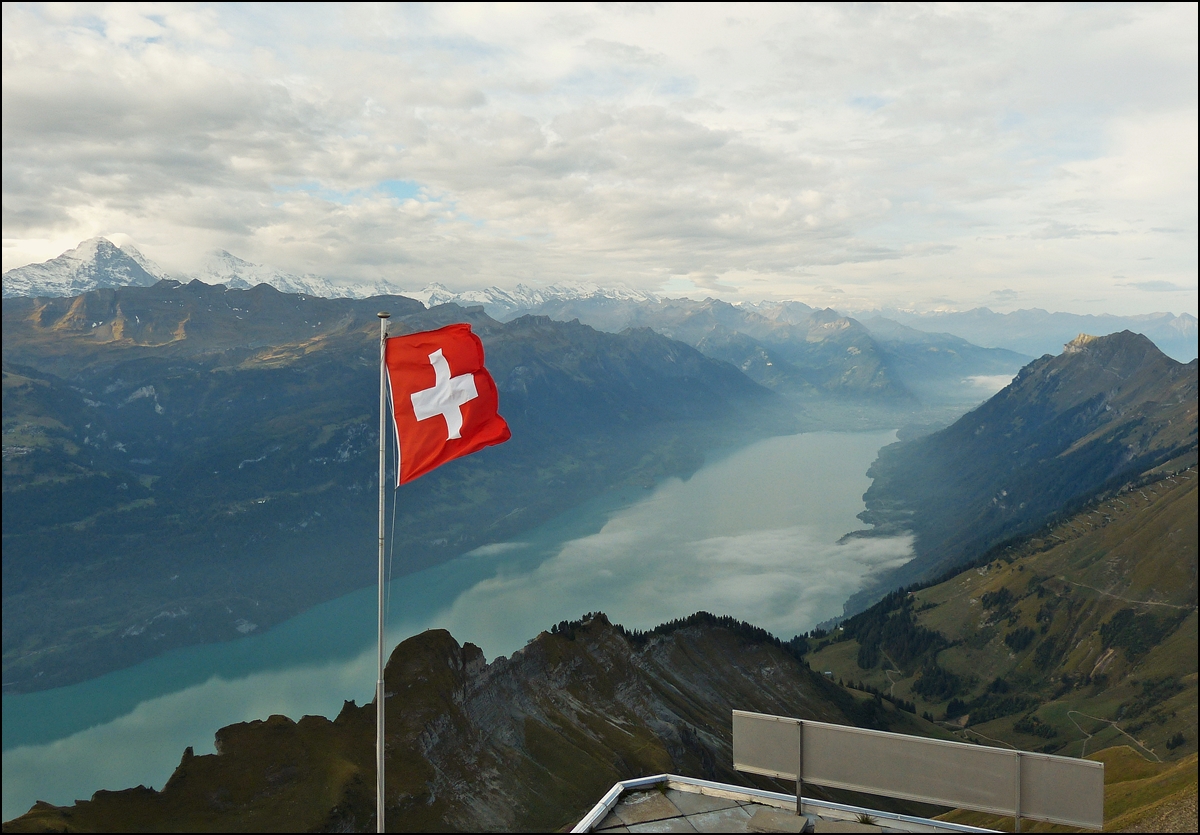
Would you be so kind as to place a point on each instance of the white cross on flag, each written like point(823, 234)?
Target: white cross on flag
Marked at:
point(444, 402)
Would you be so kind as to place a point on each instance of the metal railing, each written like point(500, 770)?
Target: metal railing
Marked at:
point(1006, 782)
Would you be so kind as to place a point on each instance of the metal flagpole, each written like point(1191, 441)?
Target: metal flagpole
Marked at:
point(379, 691)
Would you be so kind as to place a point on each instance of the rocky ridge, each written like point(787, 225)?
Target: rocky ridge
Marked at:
point(526, 743)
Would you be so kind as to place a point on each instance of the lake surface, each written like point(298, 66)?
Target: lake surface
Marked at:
point(753, 534)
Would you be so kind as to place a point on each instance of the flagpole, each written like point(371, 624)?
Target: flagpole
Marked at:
point(379, 691)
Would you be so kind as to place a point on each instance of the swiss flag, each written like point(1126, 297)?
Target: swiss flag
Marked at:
point(444, 402)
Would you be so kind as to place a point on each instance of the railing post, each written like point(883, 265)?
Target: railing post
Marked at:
point(1017, 803)
point(800, 767)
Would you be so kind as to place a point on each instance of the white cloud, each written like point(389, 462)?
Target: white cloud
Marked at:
point(899, 153)
point(786, 579)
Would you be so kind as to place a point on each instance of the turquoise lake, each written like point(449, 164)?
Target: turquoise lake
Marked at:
point(753, 534)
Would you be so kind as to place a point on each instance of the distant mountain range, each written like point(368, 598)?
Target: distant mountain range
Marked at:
point(1036, 332)
point(97, 263)
point(810, 353)
point(788, 347)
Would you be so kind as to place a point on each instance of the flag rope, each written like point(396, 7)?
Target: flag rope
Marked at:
point(387, 604)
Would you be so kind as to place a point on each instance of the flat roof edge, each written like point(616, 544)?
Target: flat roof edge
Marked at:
point(613, 795)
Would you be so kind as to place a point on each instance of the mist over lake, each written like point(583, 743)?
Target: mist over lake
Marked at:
point(753, 534)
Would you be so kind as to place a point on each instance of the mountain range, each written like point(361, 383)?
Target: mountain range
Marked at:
point(175, 448)
point(1036, 332)
point(97, 263)
point(212, 422)
point(810, 353)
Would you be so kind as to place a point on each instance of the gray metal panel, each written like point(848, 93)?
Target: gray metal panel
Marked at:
point(1062, 790)
point(1056, 789)
point(929, 770)
point(767, 745)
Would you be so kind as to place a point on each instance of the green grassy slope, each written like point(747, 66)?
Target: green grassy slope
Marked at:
point(1077, 640)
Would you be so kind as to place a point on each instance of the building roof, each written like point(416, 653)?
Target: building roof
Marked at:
point(670, 803)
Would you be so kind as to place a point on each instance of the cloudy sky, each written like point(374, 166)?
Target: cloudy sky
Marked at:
point(913, 156)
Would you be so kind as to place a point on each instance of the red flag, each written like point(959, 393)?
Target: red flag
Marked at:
point(444, 402)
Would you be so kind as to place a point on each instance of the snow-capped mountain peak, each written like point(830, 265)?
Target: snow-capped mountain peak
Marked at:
point(94, 264)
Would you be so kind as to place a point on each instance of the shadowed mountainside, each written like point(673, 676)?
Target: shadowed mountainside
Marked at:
point(1105, 410)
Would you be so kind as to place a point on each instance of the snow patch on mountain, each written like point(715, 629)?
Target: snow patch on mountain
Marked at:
point(500, 303)
point(221, 267)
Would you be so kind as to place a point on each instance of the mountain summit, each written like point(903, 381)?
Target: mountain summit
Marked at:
point(95, 264)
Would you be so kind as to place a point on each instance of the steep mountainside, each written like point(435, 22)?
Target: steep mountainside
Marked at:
point(521, 744)
point(94, 264)
point(1073, 640)
point(1105, 409)
point(170, 452)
